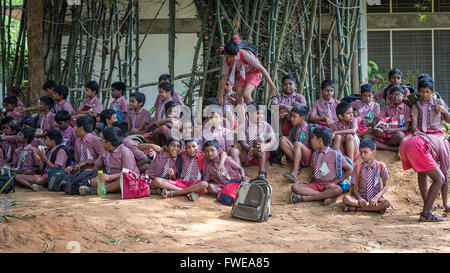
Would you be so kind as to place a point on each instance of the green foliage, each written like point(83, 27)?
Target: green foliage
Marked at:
point(379, 79)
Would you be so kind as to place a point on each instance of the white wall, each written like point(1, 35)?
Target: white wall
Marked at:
point(154, 53)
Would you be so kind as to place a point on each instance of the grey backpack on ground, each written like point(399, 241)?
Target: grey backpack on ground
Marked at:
point(253, 201)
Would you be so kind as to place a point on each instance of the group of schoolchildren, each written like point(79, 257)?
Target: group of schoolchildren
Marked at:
point(180, 164)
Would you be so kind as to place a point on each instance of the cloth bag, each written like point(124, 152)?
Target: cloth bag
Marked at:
point(133, 185)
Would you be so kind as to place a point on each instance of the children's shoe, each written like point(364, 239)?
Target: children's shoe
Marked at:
point(291, 177)
point(328, 201)
point(37, 187)
point(86, 190)
point(296, 198)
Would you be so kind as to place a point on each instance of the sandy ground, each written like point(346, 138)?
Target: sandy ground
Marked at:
point(55, 222)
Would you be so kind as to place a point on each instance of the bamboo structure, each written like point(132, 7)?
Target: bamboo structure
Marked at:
point(103, 39)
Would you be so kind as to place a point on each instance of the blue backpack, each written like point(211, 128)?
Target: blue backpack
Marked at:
point(345, 184)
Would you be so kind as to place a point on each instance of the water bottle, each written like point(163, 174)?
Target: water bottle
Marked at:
point(101, 188)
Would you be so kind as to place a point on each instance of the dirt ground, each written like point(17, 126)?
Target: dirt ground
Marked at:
point(55, 222)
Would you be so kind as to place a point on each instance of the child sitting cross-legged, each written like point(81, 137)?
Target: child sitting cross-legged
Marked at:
point(55, 157)
point(219, 176)
point(324, 184)
point(24, 158)
point(190, 181)
point(164, 163)
point(256, 138)
point(398, 115)
point(297, 147)
point(369, 182)
point(112, 160)
point(344, 131)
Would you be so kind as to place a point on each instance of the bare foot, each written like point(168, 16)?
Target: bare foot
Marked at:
point(283, 160)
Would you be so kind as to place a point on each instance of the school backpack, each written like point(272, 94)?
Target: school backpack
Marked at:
point(201, 164)
point(228, 194)
point(58, 179)
point(345, 184)
point(81, 178)
point(253, 201)
point(377, 176)
point(69, 151)
point(7, 184)
point(386, 90)
point(351, 98)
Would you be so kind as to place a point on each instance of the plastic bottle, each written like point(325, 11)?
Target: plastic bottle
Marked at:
point(101, 188)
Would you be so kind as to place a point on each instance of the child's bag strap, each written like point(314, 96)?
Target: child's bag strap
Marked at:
point(358, 170)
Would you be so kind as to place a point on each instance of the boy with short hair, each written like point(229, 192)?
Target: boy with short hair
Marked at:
point(344, 131)
point(62, 118)
point(53, 139)
point(368, 183)
point(399, 114)
point(24, 158)
point(49, 87)
point(365, 110)
point(15, 92)
point(176, 97)
point(286, 101)
point(138, 118)
point(120, 103)
point(231, 172)
point(189, 181)
point(297, 146)
point(87, 147)
point(46, 119)
point(323, 111)
point(165, 94)
point(426, 113)
point(324, 183)
point(10, 104)
point(114, 158)
point(256, 138)
point(91, 105)
point(60, 98)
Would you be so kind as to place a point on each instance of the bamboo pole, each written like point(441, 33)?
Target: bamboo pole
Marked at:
point(345, 89)
point(308, 45)
point(136, 54)
point(3, 45)
point(172, 37)
point(190, 91)
point(207, 57)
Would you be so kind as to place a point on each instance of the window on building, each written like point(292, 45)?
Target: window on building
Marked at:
point(442, 63)
point(379, 47)
point(412, 51)
point(442, 5)
point(372, 6)
point(409, 6)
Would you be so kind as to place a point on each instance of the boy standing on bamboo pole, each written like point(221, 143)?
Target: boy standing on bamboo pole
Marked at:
point(249, 72)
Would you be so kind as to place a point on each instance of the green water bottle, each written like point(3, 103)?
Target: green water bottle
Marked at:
point(101, 188)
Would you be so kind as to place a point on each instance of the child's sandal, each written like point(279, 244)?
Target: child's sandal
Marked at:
point(350, 209)
point(262, 175)
point(192, 196)
point(165, 193)
point(296, 198)
point(291, 177)
point(429, 217)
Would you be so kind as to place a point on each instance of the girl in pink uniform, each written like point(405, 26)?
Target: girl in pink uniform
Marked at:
point(248, 69)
